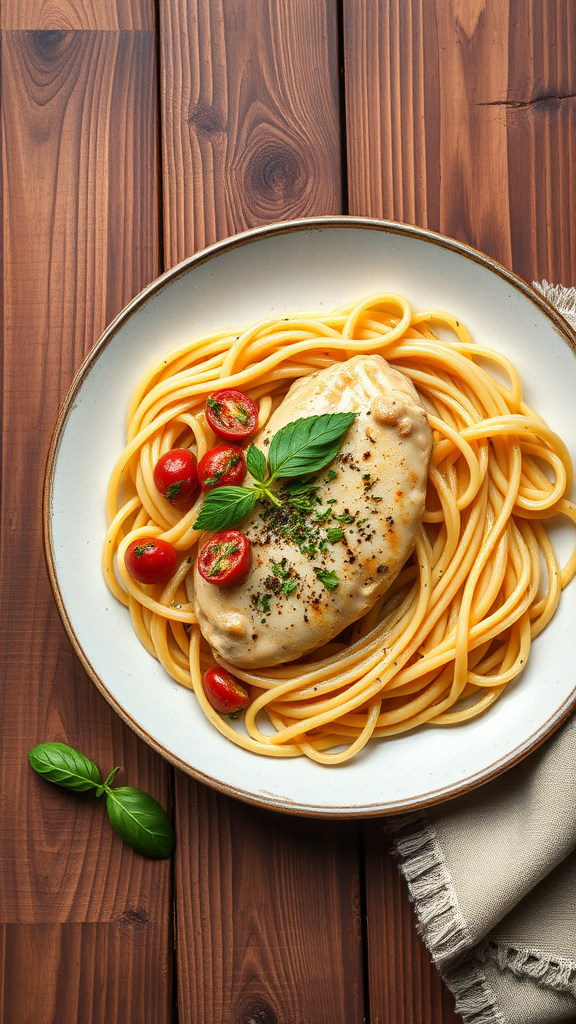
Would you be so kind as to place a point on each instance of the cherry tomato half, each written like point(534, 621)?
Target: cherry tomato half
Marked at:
point(151, 561)
point(224, 464)
point(176, 475)
point(232, 415)
point(224, 691)
point(225, 559)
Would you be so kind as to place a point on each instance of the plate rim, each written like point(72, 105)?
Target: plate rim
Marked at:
point(271, 801)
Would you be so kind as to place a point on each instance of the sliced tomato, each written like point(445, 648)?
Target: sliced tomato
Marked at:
point(222, 465)
point(224, 691)
point(225, 559)
point(176, 475)
point(232, 415)
point(151, 561)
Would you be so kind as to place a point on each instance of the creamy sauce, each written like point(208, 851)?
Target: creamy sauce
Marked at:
point(313, 573)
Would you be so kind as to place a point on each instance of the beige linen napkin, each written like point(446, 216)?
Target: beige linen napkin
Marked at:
point(492, 876)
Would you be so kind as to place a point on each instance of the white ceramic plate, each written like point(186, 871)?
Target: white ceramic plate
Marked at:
point(318, 263)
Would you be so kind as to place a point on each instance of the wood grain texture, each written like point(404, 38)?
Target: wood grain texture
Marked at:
point(404, 987)
point(269, 925)
point(69, 15)
point(84, 973)
point(80, 238)
point(267, 914)
point(250, 116)
point(461, 118)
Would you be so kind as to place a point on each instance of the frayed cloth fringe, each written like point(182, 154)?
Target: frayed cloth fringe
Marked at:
point(557, 973)
point(430, 888)
point(440, 921)
point(563, 298)
point(475, 1000)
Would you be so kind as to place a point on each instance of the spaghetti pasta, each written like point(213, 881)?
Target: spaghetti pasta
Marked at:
point(456, 626)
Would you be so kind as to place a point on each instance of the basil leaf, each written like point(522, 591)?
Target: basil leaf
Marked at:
point(225, 506)
point(141, 821)
point(256, 463)
point(308, 444)
point(65, 766)
point(329, 579)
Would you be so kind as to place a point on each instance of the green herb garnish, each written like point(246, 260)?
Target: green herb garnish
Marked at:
point(225, 506)
point(334, 534)
point(210, 481)
point(329, 579)
point(345, 518)
point(224, 552)
point(134, 815)
point(302, 447)
point(174, 490)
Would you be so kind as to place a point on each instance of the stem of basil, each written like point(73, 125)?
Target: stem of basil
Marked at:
point(105, 787)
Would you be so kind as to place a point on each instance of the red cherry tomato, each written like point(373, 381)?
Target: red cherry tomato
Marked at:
point(232, 415)
point(176, 475)
point(224, 464)
point(224, 691)
point(151, 561)
point(225, 559)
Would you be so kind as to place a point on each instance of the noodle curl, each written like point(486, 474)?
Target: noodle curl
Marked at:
point(455, 627)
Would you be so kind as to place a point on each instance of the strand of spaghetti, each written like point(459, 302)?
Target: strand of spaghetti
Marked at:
point(368, 687)
point(288, 750)
point(181, 615)
point(354, 748)
point(466, 450)
point(108, 550)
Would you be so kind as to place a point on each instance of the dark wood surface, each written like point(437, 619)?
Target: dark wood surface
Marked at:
point(133, 134)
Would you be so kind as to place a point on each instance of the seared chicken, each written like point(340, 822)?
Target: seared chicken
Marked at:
point(321, 566)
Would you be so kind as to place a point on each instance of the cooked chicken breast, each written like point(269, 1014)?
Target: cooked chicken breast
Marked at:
point(315, 570)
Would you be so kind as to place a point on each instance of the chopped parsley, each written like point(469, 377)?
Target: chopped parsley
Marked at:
point(261, 603)
point(329, 579)
point(210, 481)
point(334, 534)
point(223, 552)
point(332, 474)
point(214, 405)
point(345, 518)
point(174, 490)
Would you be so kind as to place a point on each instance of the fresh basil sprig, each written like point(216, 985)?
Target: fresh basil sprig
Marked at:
point(65, 766)
point(307, 445)
point(135, 815)
point(140, 820)
point(304, 446)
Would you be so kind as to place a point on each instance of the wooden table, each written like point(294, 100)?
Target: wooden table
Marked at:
point(133, 134)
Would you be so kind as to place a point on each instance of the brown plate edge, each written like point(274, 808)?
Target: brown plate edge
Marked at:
point(562, 327)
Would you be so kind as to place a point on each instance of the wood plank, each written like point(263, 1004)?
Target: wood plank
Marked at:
point(76, 107)
point(83, 972)
point(250, 117)
point(267, 906)
point(460, 118)
point(457, 114)
point(404, 987)
point(267, 916)
point(70, 15)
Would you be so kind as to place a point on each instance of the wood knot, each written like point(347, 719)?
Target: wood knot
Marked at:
point(273, 175)
point(47, 42)
point(206, 120)
point(135, 919)
point(256, 1013)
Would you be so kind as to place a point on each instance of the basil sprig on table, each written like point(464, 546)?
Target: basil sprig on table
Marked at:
point(304, 446)
point(135, 815)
